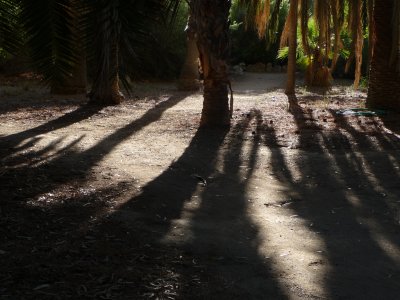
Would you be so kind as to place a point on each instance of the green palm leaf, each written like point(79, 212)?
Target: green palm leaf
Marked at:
point(50, 30)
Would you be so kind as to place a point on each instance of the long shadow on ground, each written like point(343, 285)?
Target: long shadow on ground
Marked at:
point(47, 210)
point(11, 143)
point(77, 249)
point(182, 237)
point(207, 224)
point(223, 236)
point(348, 192)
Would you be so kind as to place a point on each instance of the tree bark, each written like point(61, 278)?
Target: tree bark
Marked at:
point(384, 87)
point(291, 68)
point(317, 73)
point(212, 24)
point(105, 87)
point(189, 77)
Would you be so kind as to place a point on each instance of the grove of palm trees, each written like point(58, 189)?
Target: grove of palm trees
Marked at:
point(226, 149)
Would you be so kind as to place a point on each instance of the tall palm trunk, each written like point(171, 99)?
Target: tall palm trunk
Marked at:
point(105, 87)
point(291, 69)
point(384, 87)
point(189, 77)
point(212, 23)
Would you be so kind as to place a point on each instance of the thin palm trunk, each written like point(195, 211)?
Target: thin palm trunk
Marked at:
point(291, 70)
point(189, 77)
point(211, 17)
point(384, 87)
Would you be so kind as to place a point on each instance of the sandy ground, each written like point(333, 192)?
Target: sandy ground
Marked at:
point(134, 201)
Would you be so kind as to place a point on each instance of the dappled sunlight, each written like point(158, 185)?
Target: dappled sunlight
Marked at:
point(336, 192)
point(286, 205)
point(279, 225)
point(303, 252)
point(211, 219)
point(229, 150)
point(41, 151)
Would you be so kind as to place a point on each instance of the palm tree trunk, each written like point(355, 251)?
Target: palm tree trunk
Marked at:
point(189, 77)
point(105, 87)
point(211, 17)
point(384, 87)
point(291, 70)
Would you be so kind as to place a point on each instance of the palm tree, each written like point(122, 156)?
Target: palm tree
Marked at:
point(54, 43)
point(10, 32)
point(106, 18)
point(355, 24)
point(76, 81)
point(212, 25)
point(329, 17)
point(189, 77)
point(384, 87)
point(291, 29)
point(59, 33)
point(118, 29)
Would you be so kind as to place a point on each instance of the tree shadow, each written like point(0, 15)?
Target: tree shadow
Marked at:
point(190, 232)
point(348, 187)
point(51, 189)
point(11, 143)
point(224, 239)
point(67, 163)
point(198, 208)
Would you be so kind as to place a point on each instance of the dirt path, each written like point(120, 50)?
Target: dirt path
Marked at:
point(135, 202)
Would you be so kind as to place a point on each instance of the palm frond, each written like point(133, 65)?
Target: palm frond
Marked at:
point(292, 17)
point(272, 27)
point(49, 26)
point(10, 31)
point(257, 14)
point(117, 31)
